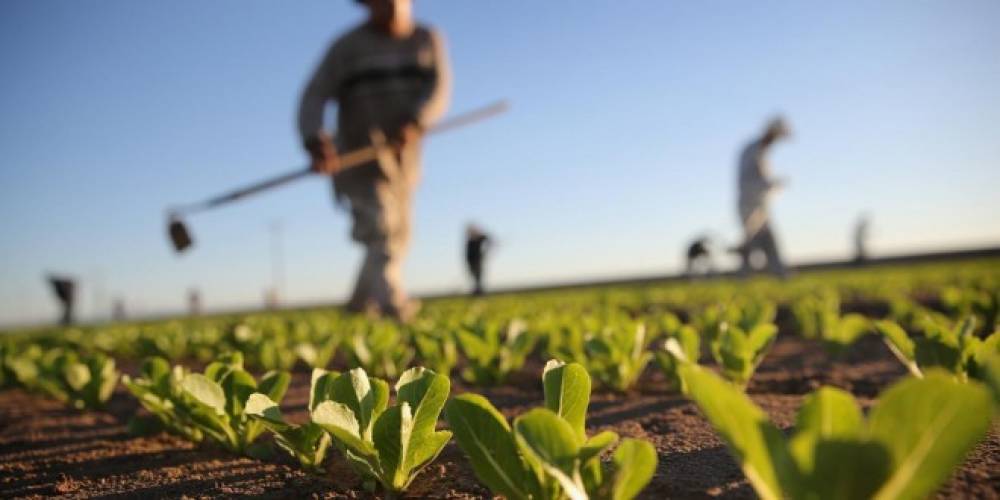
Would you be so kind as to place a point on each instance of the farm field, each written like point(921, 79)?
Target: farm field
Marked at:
point(497, 347)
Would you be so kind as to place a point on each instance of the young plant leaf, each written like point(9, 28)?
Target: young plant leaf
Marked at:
point(567, 393)
point(634, 466)
point(485, 437)
point(928, 426)
point(756, 443)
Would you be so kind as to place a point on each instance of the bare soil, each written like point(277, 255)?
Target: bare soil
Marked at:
point(48, 450)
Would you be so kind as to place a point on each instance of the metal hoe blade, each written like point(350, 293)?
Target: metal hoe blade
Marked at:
point(179, 234)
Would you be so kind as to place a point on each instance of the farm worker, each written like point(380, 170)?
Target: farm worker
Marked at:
point(390, 79)
point(477, 243)
point(755, 187)
point(699, 257)
point(65, 291)
point(861, 230)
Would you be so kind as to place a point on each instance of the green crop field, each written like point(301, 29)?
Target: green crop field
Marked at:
point(878, 382)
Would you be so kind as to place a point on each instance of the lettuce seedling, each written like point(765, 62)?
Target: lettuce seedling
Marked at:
point(212, 402)
point(438, 351)
point(617, 354)
point(567, 336)
point(217, 398)
point(387, 445)
point(381, 348)
point(493, 352)
point(688, 347)
point(916, 435)
point(745, 315)
point(158, 390)
point(317, 354)
point(739, 352)
point(87, 381)
point(983, 302)
point(81, 381)
point(307, 443)
point(818, 317)
point(952, 348)
point(546, 454)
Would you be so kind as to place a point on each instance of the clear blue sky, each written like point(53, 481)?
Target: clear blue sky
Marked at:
point(620, 147)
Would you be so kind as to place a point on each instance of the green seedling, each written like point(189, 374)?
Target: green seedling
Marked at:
point(493, 352)
point(739, 352)
point(688, 349)
point(954, 349)
point(212, 402)
point(546, 453)
point(81, 381)
point(818, 317)
point(308, 443)
point(913, 439)
point(387, 445)
point(617, 354)
point(381, 348)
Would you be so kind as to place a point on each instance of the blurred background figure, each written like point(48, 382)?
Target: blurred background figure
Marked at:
point(477, 244)
point(861, 234)
point(118, 310)
point(194, 302)
point(699, 257)
point(271, 299)
point(391, 76)
point(64, 289)
point(755, 187)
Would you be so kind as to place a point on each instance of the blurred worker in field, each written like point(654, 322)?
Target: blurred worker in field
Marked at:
point(65, 292)
point(699, 257)
point(118, 310)
point(477, 244)
point(390, 79)
point(194, 302)
point(861, 231)
point(756, 185)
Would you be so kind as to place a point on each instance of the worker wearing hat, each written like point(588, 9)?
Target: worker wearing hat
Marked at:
point(390, 79)
point(756, 185)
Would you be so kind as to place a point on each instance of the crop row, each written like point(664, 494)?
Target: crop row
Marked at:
point(941, 325)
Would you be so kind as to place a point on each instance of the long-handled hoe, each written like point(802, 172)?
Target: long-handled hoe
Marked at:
point(178, 232)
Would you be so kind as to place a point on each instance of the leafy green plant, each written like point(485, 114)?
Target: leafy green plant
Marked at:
point(158, 390)
point(952, 348)
point(317, 354)
point(744, 314)
point(738, 352)
point(919, 431)
point(380, 348)
point(981, 301)
point(492, 351)
point(818, 317)
point(546, 454)
point(437, 351)
point(308, 443)
point(688, 345)
point(567, 336)
point(387, 445)
point(83, 381)
point(212, 402)
point(617, 355)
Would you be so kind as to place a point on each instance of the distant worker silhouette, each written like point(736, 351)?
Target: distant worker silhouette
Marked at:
point(699, 257)
point(477, 245)
point(861, 233)
point(756, 185)
point(390, 78)
point(194, 302)
point(65, 292)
